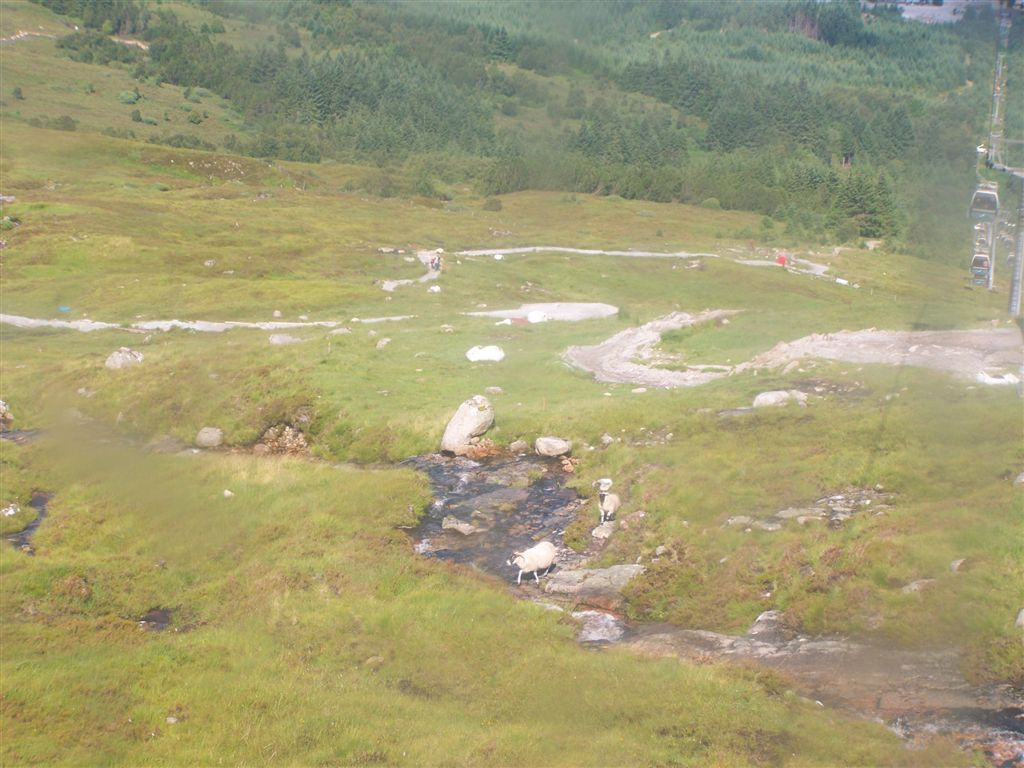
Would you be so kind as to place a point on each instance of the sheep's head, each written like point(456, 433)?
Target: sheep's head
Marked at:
point(513, 557)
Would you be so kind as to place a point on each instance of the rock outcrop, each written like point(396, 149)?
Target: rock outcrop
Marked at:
point(598, 588)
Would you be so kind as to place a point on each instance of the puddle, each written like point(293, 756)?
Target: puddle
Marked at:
point(19, 436)
point(22, 539)
point(155, 620)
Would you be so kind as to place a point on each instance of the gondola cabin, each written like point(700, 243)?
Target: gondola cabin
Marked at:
point(985, 202)
point(980, 266)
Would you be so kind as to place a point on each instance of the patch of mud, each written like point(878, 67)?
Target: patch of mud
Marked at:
point(554, 311)
point(155, 620)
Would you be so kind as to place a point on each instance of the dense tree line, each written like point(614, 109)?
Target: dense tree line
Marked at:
point(813, 113)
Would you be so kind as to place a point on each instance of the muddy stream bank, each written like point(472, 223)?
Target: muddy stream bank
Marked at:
point(482, 511)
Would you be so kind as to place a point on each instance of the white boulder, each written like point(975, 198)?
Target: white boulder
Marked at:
point(490, 353)
point(537, 316)
point(780, 397)
point(123, 358)
point(552, 446)
point(209, 437)
point(474, 417)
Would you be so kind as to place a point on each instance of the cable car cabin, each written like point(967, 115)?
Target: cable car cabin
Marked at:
point(980, 266)
point(985, 202)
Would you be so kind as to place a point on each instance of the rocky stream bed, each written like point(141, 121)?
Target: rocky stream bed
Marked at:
point(483, 510)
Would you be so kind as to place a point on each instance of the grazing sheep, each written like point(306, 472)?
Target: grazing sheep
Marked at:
point(607, 503)
point(540, 556)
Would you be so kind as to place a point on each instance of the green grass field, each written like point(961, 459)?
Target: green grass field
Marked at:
point(304, 629)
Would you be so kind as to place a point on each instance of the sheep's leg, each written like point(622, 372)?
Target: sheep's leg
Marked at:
point(536, 577)
point(519, 581)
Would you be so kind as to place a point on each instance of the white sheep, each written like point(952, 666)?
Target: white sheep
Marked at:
point(607, 503)
point(539, 556)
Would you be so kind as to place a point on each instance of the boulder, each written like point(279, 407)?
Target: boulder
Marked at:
point(209, 437)
point(123, 358)
point(537, 316)
point(780, 397)
point(486, 354)
point(599, 588)
point(518, 447)
point(6, 417)
point(604, 530)
point(552, 446)
point(474, 417)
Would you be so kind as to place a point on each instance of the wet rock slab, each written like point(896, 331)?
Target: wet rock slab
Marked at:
point(600, 588)
point(919, 693)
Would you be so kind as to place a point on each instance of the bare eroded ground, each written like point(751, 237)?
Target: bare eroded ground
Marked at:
point(990, 356)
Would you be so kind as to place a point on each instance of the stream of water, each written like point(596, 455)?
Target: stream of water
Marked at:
point(483, 510)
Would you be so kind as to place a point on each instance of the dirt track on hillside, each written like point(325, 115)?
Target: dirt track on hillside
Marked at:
point(988, 356)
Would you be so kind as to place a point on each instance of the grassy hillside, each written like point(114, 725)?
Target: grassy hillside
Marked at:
point(303, 628)
point(762, 108)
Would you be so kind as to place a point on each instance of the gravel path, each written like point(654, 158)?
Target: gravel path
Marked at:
point(988, 356)
point(203, 326)
point(586, 252)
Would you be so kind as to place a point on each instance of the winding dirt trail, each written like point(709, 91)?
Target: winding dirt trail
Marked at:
point(988, 356)
point(586, 252)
